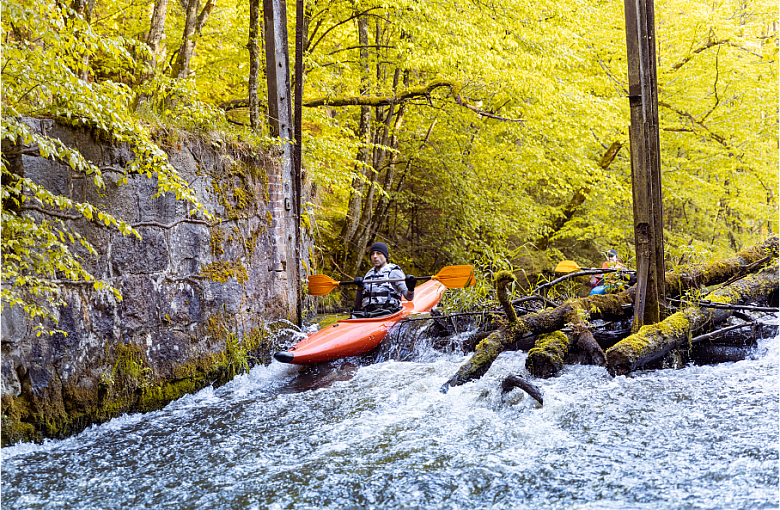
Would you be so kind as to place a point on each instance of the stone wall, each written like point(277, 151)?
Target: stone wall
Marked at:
point(200, 297)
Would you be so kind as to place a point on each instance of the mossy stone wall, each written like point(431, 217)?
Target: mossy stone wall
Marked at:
point(200, 297)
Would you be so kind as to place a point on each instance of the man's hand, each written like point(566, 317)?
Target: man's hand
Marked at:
point(410, 282)
point(358, 281)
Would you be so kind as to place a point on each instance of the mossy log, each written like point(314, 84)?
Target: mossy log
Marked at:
point(546, 358)
point(677, 282)
point(607, 307)
point(652, 342)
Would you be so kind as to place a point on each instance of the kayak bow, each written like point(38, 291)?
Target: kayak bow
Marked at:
point(353, 337)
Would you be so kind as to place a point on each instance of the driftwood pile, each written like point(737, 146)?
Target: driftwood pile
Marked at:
point(693, 327)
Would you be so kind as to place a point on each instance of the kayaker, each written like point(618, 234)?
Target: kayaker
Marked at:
point(603, 284)
point(382, 298)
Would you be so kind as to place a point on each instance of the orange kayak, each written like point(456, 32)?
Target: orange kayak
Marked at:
point(353, 337)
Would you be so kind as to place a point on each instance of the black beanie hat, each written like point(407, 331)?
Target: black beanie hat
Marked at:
point(381, 248)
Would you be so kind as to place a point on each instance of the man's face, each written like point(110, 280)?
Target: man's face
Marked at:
point(378, 259)
point(612, 258)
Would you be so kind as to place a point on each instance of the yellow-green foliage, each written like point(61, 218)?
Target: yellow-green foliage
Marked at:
point(83, 89)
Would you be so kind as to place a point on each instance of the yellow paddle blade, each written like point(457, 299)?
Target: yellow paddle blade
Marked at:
point(455, 277)
point(321, 284)
point(567, 266)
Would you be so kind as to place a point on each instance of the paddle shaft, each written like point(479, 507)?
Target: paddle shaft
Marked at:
point(584, 272)
point(416, 279)
point(359, 293)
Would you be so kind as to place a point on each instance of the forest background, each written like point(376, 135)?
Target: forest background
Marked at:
point(490, 132)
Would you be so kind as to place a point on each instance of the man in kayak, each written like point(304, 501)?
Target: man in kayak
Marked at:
point(603, 284)
point(377, 299)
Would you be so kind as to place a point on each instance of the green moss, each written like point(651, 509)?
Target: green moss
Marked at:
point(217, 242)
point(545, 359)
point(503, 279)
point(235, 188)
point(157, 396)
point(16, 426)
point(221, 271)
point(250, 243)
point(130, 363)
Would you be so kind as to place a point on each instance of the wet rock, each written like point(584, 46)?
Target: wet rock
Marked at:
point(149, 255)
point(10, 381)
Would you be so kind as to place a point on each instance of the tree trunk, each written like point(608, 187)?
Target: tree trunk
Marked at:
point(608, 307)
point(355, 206)
point(193, 26)
point(254, 62)
point(383, 205)
point(653, 341)
point(84, 8)
point(154, 40)
point(366, 227)
point(157, 29)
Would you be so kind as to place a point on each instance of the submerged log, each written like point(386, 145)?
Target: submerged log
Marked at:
point(709, 354)
point(608, 307)
point(652, 342)
point(515, 381)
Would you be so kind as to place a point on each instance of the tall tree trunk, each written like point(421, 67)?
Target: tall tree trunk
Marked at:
point(355, 206)
point(193, 26)
point(384, 201)
point(84, 9)
point(366, 228)
point(254, 62)
point(157, 29)
point(154, 40)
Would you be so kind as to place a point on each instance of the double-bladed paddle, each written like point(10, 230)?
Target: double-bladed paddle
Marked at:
point(569, 266)
point(452, 277)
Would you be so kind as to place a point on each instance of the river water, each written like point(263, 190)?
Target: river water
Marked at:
point(384, 436)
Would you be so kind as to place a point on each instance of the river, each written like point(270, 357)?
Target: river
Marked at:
point(384, 436)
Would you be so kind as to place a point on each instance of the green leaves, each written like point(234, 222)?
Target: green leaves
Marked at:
point(56, 64)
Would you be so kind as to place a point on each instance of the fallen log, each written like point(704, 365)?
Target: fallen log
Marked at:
point(653, 341)
point(609, 307)
point(677, 282)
